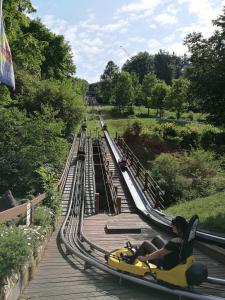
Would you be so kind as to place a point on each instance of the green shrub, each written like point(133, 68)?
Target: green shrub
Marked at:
point(208, 137)
point(164, 170)
point(14, 249)
point(171, 133)
point(190, 136)
point(49, 182)
point(42, 216)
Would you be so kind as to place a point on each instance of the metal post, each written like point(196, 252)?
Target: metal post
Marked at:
point(116, 189)
point(96, 203)
point(146, 181)
point(29, 213)
point(138, 170)
point(118, 204)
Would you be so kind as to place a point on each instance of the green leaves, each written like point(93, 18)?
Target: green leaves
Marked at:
point(141, 64)
point(207, 71)
point(123, 92)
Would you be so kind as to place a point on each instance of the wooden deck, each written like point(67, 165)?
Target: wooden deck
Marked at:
point(61, 277)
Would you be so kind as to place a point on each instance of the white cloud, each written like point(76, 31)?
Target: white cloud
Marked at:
point(140, 5)
point(165, 19)
point(153, 45)
point(121, 24)
point(169, 39)
point(178, 48)
point(136, 39)
point(56, 25)
point(205, 11)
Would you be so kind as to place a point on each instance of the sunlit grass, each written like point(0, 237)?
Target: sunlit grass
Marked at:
point(117, 122)
point(211, 211)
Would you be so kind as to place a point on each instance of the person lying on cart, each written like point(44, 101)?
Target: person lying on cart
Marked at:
point(123, 163)
point(168, 256)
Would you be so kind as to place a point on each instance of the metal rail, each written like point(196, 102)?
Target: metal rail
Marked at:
point(144, 204)
point(77, 244)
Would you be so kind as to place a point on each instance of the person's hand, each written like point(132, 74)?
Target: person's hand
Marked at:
point(142, 258)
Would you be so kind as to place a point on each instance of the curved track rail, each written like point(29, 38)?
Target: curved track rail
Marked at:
point(76, 243)
point(144, 205)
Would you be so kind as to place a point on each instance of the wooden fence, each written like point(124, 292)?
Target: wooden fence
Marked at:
point(109, 177)
point(149, 185)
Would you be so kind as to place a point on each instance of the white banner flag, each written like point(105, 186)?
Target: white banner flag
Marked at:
point(6, 65)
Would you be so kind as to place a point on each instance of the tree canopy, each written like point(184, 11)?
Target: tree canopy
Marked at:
point(141, 64)
point(207, 70)
point(38, 118)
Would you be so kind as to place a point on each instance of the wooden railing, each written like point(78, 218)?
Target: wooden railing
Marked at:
point(149, 185)
point(63, 177)
point(109, 177)
point(14, 212)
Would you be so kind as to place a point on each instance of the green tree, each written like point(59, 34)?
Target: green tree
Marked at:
point(58, 62)
point(159, 94)
point(106, 81)
point(207, 70)
point(148, 84)
point(141, 64)
point(178, 97)
point(106, 90)
point(123, 92)
point(62, 98)
point(169, 66)
point(26, 144)
point(137, 88)
point(110, 70)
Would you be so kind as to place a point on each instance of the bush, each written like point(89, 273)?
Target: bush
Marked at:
point(184, 177)
point(49, 182)
point(14, 249)
point(165, 169)
point(208, 137)
point(190, 136)
point(42, 216)
point(171, 133)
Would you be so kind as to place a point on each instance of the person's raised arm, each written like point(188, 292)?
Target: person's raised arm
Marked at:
point(156, 254)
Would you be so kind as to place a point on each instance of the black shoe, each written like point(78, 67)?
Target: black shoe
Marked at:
point(127, 258)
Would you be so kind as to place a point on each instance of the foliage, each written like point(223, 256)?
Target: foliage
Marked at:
point(178, 96)
point(207, 70)
point(141, 64)
point(16, 246)
point(159, 94)
point(209, 209)
point(61, 96)
point(123, 90)
point(148, 84)
point(42, 216)
point(184, 177)
point(49, 182)
point(110, 70)
point(168, 67)
point(27, 143)
point(106, 90)
point(14, 250)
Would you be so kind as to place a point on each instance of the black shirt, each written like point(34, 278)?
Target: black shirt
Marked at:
point(172, 259)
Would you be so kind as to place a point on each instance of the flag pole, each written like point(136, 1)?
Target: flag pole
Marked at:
point(1, 1)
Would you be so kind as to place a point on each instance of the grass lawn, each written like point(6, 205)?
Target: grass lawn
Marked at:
point(117, 122)
point(211, 211)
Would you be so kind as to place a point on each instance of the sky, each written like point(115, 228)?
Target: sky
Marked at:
point(103, 30)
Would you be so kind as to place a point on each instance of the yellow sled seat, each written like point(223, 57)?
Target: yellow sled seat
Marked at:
point(137, 268)
point(176, 275)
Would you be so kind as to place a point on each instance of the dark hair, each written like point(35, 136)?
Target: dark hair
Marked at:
point(181, 225)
